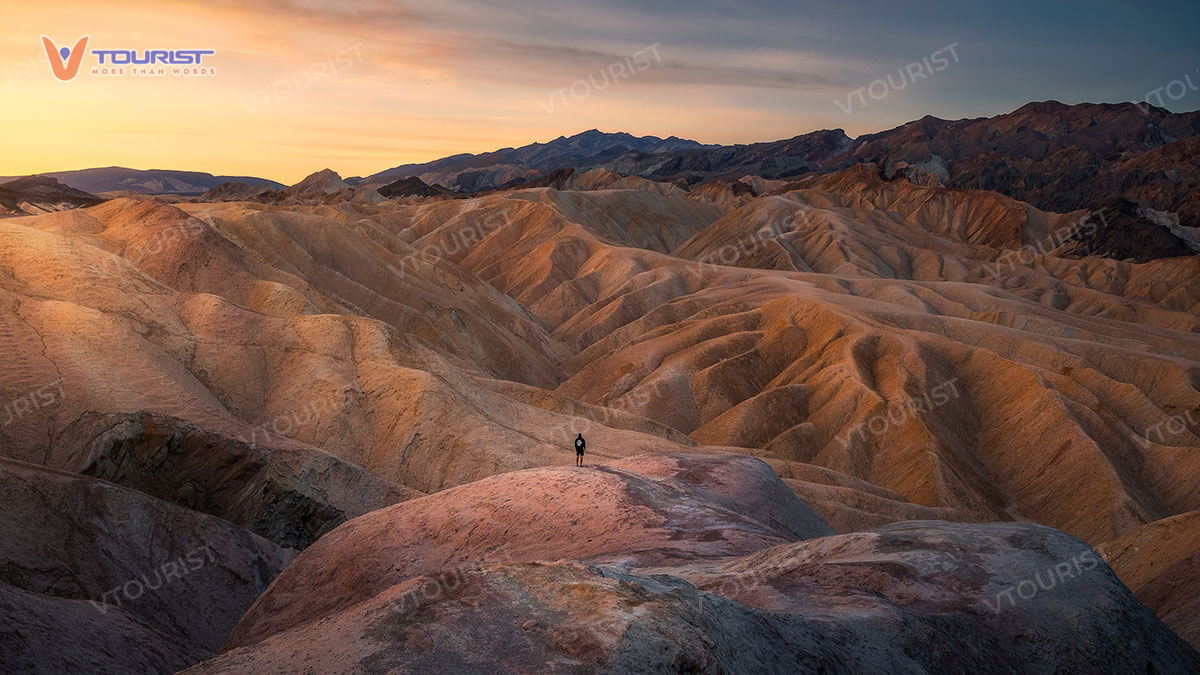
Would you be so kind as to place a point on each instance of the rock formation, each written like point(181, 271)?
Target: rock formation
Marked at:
point(96, 577)
point(918, 596)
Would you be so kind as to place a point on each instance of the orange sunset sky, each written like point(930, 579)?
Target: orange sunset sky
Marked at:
point(408, 82)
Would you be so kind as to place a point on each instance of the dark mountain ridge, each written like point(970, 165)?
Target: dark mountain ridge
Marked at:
point(1055, 156)
point(149, 181)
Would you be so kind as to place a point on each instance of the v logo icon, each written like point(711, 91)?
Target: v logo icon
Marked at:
point(65, 62)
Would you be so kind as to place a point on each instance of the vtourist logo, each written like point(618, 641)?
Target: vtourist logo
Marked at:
point(66, 62)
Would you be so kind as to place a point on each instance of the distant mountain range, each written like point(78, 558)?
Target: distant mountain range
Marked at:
point(1056, 156)
point(469, 173)
point(149, 181)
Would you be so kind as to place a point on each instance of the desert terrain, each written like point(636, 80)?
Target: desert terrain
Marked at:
point(845, 418)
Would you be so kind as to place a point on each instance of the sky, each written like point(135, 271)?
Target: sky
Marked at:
point(363, 85)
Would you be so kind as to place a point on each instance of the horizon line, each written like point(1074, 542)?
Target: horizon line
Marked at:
point(563, 136)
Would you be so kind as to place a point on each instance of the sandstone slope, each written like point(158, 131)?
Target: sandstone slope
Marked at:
point(1160, 563)
point(593, 514)
point(96, 577)
point(916, 597)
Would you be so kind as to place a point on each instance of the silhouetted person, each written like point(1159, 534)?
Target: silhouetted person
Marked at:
point(580, 444)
